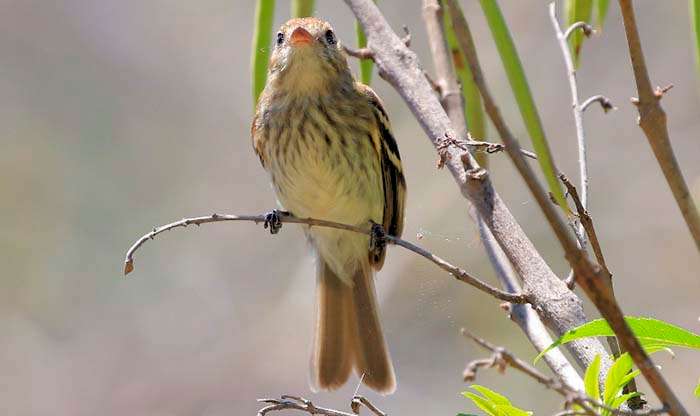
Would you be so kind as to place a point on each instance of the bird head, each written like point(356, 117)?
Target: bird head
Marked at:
point(307, 56)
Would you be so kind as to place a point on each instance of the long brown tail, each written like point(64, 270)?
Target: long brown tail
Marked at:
point(349, 334)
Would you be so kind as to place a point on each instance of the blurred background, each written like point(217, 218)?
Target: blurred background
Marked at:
point(118, 116)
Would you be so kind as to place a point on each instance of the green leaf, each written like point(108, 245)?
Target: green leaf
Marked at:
point(482, 403)
point(262, 34)
point(616, 375)
point(590, 379)
point(577, 11)
point(473, 108)
point(653, 334)
point(695, 23)
point(601, 12)
point(302, 8)
point(696, 392)
point(493, 403)
point(523, 96)
point(508, 410)
point(366, 65)
point(494, 397)
point(617, 402)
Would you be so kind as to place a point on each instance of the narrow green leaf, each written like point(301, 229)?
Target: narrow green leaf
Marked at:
point(509, 410)
point(617, 402)
point(617, 372)
point(494, 397)
point(473, 108)
point(601, 12)
point(653, 334)
point(695, 23)
point(577, 11)
point(696, 392)
point(302, 8)
point(366, 65)
point(590, 379)
point(262, 34)
point(523, 96)
point(482, 403)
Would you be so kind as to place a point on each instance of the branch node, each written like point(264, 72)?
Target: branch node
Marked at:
point(359, 53)
point(407, 36)
point(659, 92)
point(583, 26)
point(604, 102)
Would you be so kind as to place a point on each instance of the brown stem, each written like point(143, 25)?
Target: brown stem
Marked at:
point(652, 120)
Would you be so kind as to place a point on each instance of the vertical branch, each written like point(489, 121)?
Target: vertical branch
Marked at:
point(652, 120)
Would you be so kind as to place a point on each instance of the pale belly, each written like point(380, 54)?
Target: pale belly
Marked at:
point(322, 181)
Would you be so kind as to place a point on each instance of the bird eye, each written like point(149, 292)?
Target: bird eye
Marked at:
point(280, 38)
point(330, 37)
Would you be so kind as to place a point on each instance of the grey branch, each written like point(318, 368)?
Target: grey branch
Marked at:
point(458, 273)
point(288, 402)
point(559, 308)
point(604, 102)
point(652, 120)
point(536, 275)
point(522, 314)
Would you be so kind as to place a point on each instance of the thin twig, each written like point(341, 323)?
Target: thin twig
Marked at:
point(458, 273)
point(652, 120)
point(586, 222)
point(288, 402)
point(604, 102)
point(575, 106)
point(502, 358)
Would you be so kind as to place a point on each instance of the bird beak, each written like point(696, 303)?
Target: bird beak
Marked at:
point(301, 36)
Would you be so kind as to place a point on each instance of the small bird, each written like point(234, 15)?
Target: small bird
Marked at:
point(326, 141)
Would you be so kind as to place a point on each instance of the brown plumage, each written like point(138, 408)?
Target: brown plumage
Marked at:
point(326, 141)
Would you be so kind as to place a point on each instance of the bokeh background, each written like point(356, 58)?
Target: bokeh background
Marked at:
point(116, 116)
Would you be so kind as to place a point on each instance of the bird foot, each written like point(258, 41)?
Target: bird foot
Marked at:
point(377, 238)
point(273, 220)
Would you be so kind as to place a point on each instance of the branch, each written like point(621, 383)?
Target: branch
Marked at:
point(604, 102)
point(559, 308)
point(587, 223)
point(523, 315)
point(458, 273)
point(502, 358)
point(287, 402)
point(652, 120)
point(590, 277)
point(575, 105)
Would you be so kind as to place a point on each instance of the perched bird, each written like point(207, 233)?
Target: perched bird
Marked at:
point(326, 141)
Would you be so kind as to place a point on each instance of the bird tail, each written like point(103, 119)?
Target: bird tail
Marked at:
point(349, 334)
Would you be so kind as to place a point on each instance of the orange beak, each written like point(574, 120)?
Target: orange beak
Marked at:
point(301, 36)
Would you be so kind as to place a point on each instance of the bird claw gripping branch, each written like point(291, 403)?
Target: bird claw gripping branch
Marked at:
point(377, 239)
point(273, 220)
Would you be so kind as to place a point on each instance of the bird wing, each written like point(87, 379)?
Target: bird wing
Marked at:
point(392, 172)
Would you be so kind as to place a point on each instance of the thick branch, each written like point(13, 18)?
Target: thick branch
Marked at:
point(523, 315)
point(458, 273)
point(560, 309)
point(652, 120)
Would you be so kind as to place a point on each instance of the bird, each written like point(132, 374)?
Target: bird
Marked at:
point(327, 144)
